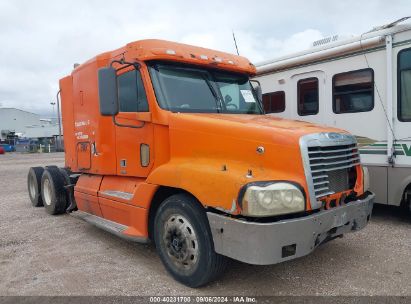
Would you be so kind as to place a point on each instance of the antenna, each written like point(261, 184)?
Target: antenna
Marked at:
point(235, 43)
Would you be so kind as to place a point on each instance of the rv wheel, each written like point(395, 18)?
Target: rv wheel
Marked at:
point(184, 242)
point(53, 192)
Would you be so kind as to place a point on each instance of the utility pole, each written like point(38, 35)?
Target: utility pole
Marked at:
point(53, 104)
point(59, 120)
point(51, 122)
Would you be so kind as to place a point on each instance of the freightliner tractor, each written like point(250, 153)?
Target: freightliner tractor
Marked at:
point(169, 143)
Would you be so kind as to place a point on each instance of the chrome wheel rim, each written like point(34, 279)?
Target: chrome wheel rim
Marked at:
point(47, 192)
point(32, 187)
point(181, 242)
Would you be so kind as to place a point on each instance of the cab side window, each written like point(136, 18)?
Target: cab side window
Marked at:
point(131, 94)
point(404, 85)
point(307, 96)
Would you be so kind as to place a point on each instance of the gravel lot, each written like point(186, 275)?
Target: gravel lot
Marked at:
point(61, 255)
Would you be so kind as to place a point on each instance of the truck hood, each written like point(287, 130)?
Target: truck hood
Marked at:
point(213, 155)
point(263, 128)
point(236, 138)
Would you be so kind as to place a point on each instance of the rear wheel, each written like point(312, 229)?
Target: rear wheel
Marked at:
point(184, 241)
point(34, 185)
point(53, 192)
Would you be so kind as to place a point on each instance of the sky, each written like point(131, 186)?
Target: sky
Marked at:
point(41, 40)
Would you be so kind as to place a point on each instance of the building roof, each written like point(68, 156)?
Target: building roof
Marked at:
point(15, 109)
point(380, 31)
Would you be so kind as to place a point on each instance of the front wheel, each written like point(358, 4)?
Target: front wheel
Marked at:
point(184, 241)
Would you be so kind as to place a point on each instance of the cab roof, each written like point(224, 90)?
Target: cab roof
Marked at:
point(154, 49)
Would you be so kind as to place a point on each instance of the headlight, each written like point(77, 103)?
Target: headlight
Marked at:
point(366, 178)
point(274, 199)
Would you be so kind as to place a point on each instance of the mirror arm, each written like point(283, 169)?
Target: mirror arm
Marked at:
point(259, 97)
point(136, 65)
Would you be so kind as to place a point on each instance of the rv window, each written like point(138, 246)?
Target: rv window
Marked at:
point(274, 102)
point(404, 85)
point(353, 91)
point(307, 96)
point(131, 93)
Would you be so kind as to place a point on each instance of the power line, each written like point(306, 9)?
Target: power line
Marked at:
point(378, 92)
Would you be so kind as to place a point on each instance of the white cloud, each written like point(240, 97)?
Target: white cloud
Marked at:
point(41, 40)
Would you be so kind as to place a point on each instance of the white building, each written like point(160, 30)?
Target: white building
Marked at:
point(25, 123)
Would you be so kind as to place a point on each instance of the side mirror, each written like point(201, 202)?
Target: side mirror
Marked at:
point(257, 89)
point(107, 91)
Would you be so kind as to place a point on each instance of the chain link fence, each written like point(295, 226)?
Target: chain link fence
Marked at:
point(44, 145)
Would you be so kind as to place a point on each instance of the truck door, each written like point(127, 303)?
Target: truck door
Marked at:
point(307, 102)
point(134, 130)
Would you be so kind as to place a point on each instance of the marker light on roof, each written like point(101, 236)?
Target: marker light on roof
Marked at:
point(170, 52)
point(230, 62)
point(218, 59)
point(203, 57)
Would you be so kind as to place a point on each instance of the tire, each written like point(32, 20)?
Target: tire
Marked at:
point(66, 174)
point(34, 185)
point(406, 200)
point(69, 181)
point(53, 192)
point(184, 242)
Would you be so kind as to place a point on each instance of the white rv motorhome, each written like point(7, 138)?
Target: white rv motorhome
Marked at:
point(361, 84)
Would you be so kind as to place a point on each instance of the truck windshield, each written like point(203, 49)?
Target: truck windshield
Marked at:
point(197, 90)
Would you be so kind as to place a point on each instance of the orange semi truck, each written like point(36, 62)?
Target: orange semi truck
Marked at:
point(169, 142)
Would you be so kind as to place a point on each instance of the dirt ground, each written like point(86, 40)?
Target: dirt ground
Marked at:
point(61, 255)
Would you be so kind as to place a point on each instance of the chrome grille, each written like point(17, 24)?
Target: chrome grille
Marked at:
point(339, 180)
point(330, 167)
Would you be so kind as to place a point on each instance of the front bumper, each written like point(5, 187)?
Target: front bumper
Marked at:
point(271, 243)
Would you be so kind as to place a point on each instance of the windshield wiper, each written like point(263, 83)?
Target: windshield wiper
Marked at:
point(218, 101)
